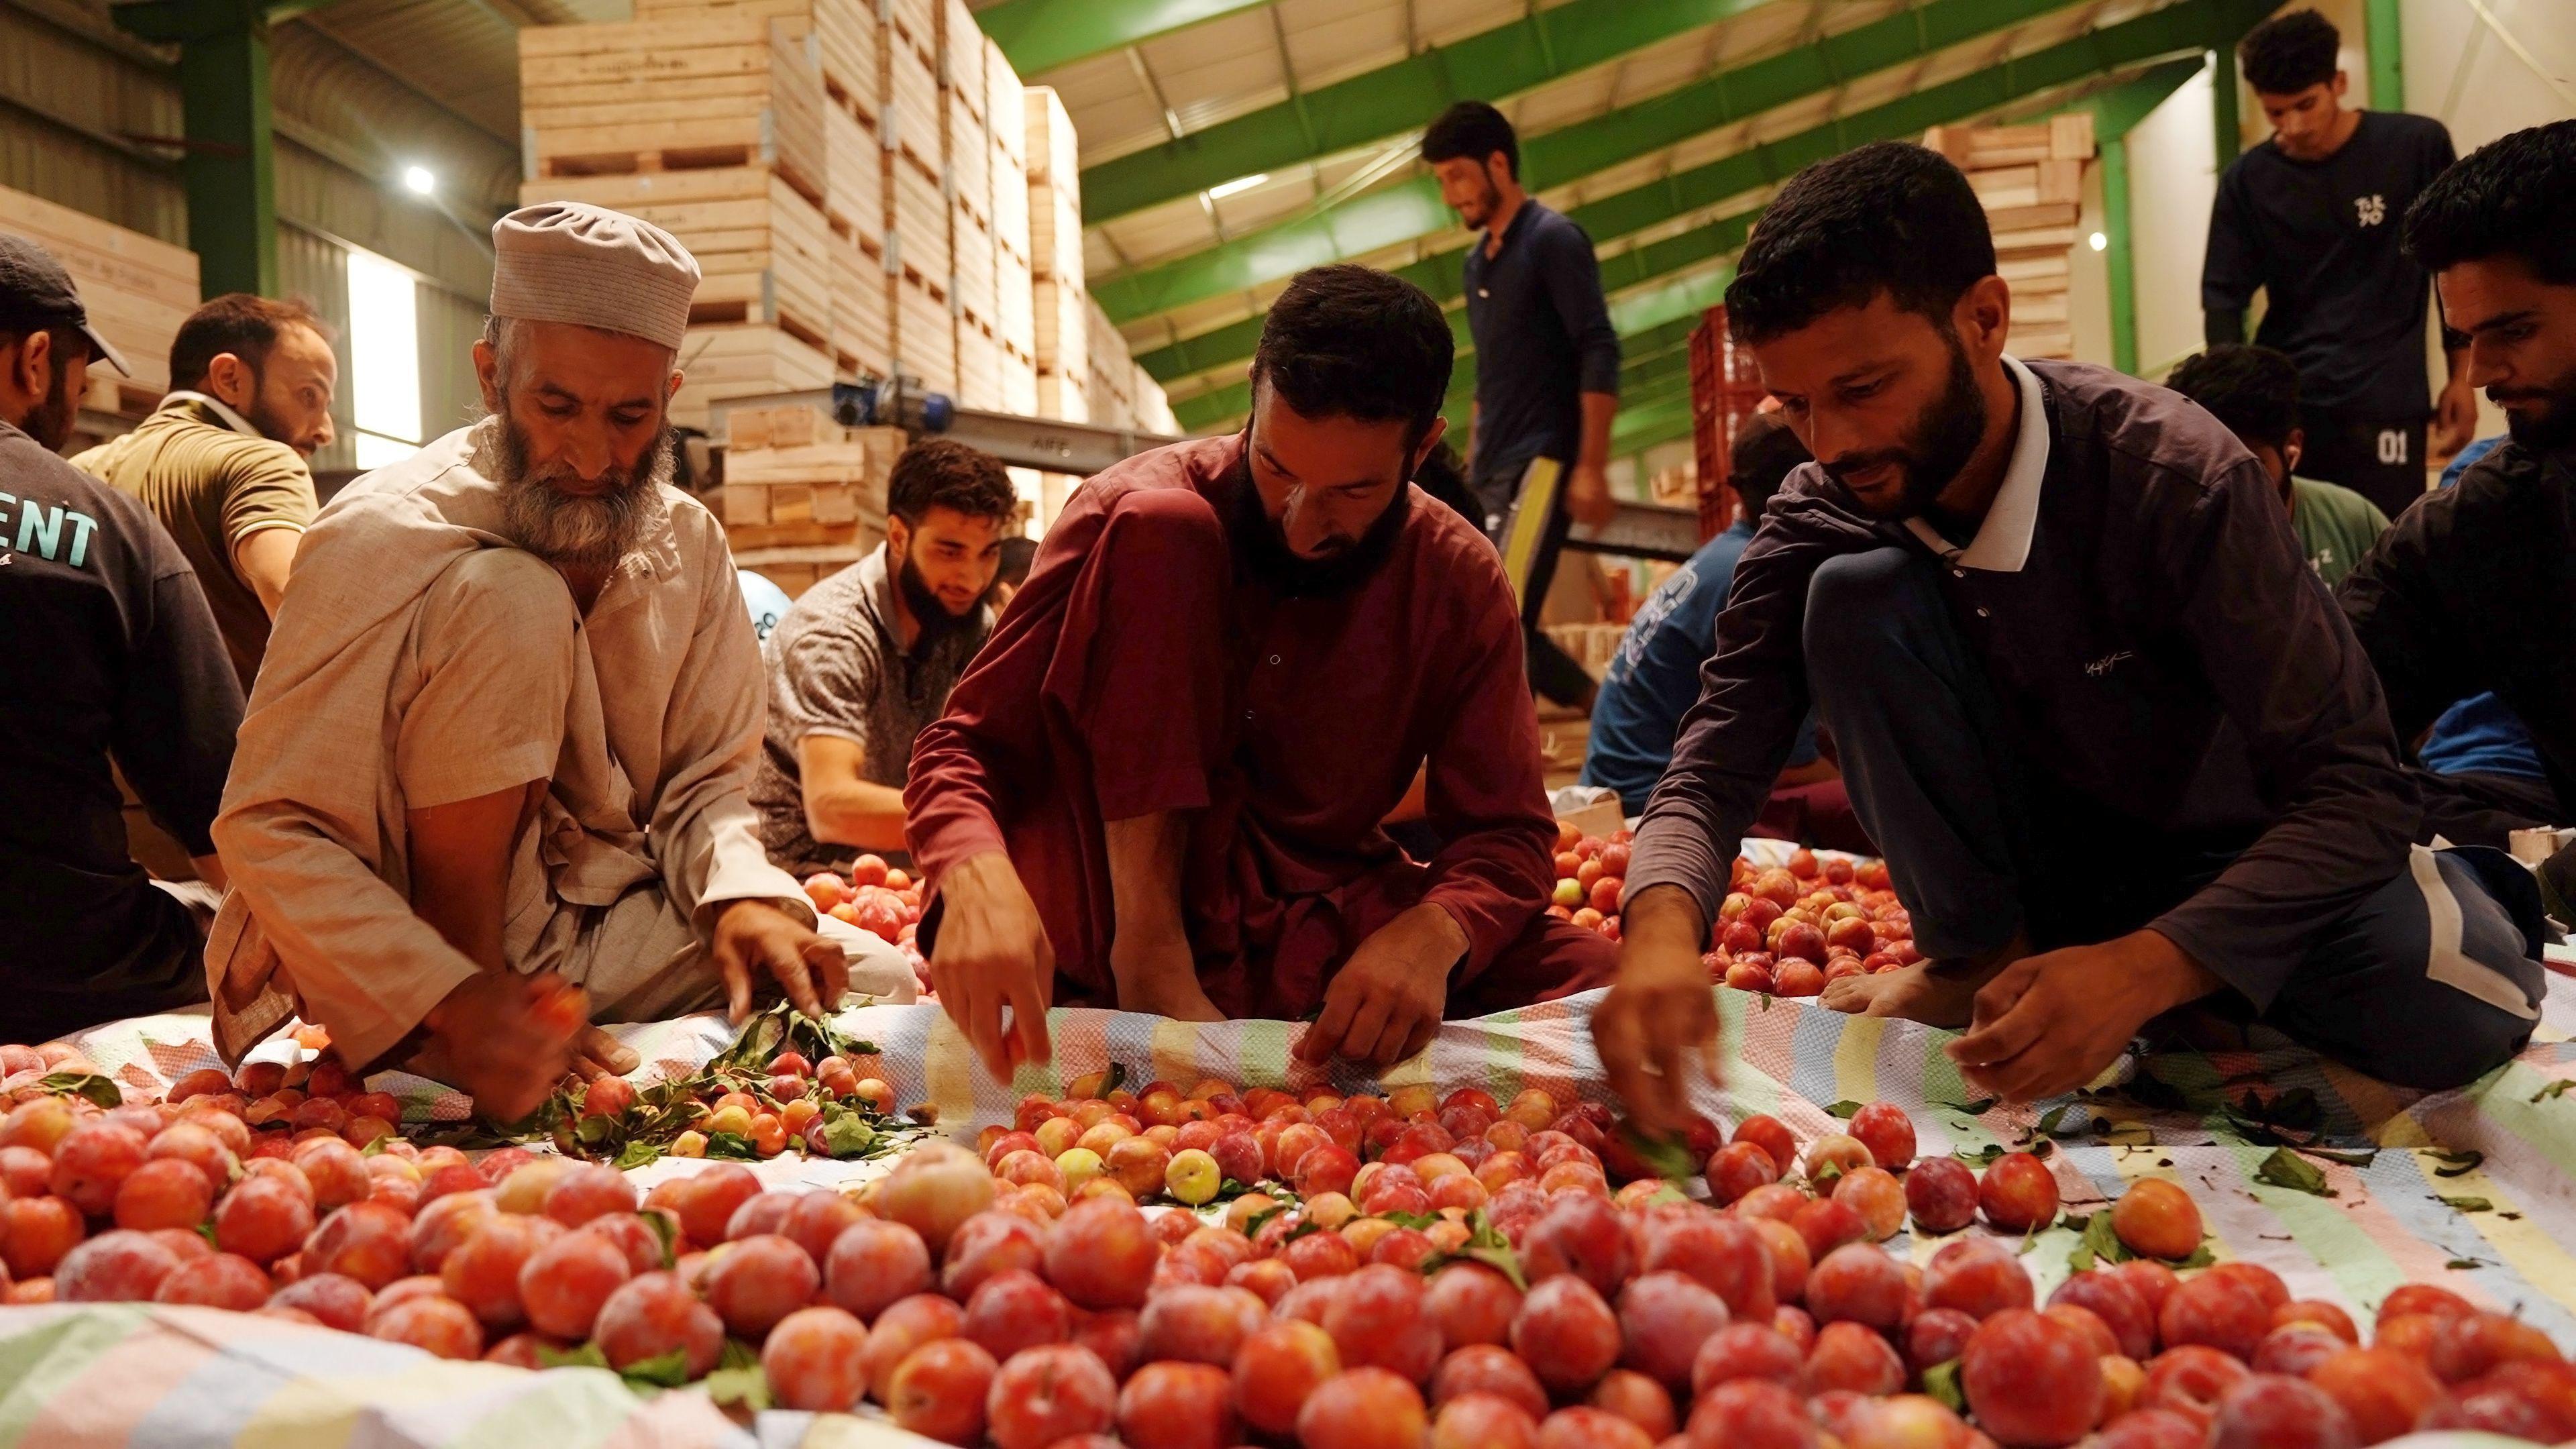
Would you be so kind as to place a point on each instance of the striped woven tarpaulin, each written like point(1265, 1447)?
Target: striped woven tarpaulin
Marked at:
point(2385, 1224)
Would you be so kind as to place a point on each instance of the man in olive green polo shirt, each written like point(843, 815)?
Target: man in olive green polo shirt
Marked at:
point(2255, 392)
point(222, 461)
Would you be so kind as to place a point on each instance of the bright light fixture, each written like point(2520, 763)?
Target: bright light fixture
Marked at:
point(420, 179)
point(2097, 241)
point(1222, 190)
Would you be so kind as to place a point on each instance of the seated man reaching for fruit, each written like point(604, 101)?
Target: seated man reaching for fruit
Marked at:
point(1161, 784)
point(498, 749)
point(2120, 749)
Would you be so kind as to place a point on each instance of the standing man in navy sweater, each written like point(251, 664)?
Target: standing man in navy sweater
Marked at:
point(2310, 218)
point(1547, 361)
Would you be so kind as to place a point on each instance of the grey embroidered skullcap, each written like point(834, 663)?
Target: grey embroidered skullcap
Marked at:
point(570, 261)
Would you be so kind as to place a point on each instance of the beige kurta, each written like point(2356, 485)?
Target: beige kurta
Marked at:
point(420, 659)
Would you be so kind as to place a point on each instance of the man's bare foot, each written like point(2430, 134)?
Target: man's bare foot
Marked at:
point(1178, 998)
point(1935, 993)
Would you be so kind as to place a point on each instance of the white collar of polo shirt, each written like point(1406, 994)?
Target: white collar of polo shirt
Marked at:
point(223, 410)
point(2002, 544)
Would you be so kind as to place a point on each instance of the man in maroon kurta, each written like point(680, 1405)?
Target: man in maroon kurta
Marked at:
point(1160, 784)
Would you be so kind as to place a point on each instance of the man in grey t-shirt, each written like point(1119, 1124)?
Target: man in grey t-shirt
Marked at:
point(867, 657)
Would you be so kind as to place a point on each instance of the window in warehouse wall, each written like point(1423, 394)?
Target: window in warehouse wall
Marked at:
point(384, 359)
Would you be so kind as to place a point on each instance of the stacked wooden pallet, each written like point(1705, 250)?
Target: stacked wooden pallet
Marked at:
point(138, 289)
point(1109, 372)
point(2030, 179)
point(920, 255)
point(802, 497)
point(1059, 323)
point(709, 122)
point(1014, 304)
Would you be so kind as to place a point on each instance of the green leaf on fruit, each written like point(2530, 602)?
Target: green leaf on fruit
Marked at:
point(1984, 1156)
point(1846, 1109)
point(2042, 1148)
point(2054, 1119)
point(1941, 1381)
point(2456, 1164)
point(2285, 1168)
point(747, 1387)
point(732, 1145)
point(667, 1228)
point(2468, 1204)
point(1252, 1224)
point(1116, 1078)
point(737, 1354)
point(89, 1086)
point(637, 1154)
point(1669, 1158)
point(663, 1371)
point(2201, 1257)
point(206, 1230)
point(1416, 1221)
point(848, 1136)
point(2100, 1244)
point(586, 1355)
point(2555, 1089)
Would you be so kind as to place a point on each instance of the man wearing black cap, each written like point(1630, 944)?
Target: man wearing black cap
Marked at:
point(117, 657)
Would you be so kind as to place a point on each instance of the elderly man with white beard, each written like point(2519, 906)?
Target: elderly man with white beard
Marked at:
point(492, 782)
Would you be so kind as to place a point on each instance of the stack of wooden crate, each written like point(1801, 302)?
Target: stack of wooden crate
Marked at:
point(1014, 303)
point(710, 123)
point(1109, 377)
point(965, 107)
point(2030, 180)
point(138, 289)
point(803, 498)
point(920, 259)
point(1060, 307)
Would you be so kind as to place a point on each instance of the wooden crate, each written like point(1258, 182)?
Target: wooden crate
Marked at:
point(798, 568)
point(971, 252)
point(1061, 395)
point(1005, 109)
point(764, 250)
point(136, 288)
point(830, 489)
point(1060, 327)
point(854, 186)
point(979, 364)
point(862, 328)
point(1010, 206)
point(1019, 383)
point(970, 159)
point(744, 360)
point(1015, 305)
point(705, 90)
point(1055, 189)
point(845, 34)
point(2030, 181)
point(925, 334)
point(1153, 410)
point(961, 57)
point(918, 238)
point(913, 111)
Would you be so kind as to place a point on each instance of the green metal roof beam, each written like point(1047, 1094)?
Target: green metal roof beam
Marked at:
point(2181, 27)
point(1400, 213)
point(1539, 47)
point(1039, 35)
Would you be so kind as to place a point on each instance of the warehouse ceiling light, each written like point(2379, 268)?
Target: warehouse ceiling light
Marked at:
point(2097, 241)
point(420, 180)
point(1237, 186)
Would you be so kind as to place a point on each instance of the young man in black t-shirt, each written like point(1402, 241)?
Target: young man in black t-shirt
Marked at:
point(2310, 218)
point(117, 656)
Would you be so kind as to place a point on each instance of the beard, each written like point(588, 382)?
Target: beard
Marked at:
point(1481, 210)
point(930, 615)
point(567, 529)
point(1937, 444)
point(1261, 544)
point(2553, 427)
point(51, 423)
